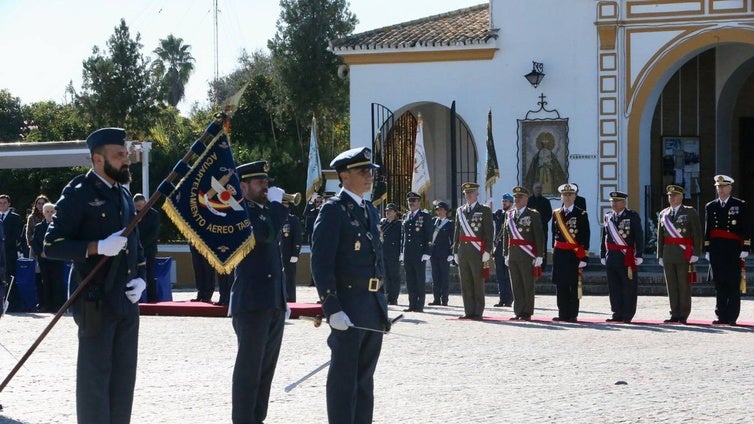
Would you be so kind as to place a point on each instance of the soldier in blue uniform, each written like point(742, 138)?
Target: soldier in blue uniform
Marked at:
point(92, 212)
point(257, 297)
point(727, 242)
point(621, 253)
point(290, 248)
point(501, 269)
point(442, 254)
point(347, 265)
point(391, 234)
point(416, 249)
point(570, 242)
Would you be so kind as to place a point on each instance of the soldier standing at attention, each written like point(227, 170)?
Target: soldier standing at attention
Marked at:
point(257, 297)
point(727, 242)
point(91, 214)
point(391, 235)
point(620, 251)
point(679, 244)
point(472, 247)
point(501, 270)
point(415, 251)
point(570, 240)
point(290, 248)
point(347, 265)
point(442, 244)
point(524, 244)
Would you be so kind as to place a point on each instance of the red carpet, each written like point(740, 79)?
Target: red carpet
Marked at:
point(202, 309)
point(548, 320)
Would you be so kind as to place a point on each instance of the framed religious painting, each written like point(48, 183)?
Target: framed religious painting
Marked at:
point(543, 153)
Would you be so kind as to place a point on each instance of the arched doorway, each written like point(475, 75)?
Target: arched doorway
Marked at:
point(394, 136)
point(690, 91)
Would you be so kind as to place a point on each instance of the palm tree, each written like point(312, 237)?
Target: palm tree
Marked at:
point(173, 68)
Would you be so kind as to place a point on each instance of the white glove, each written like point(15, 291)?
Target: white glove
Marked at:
point(450, 258)
point(287, 312)
point(340, 321)
point(20, 255)
point(743, 255)
point(485, 256)
point(693, 259)
point(135, 288)
point(638, 261)
point(537, 261)
point(294, 259)
point(706, 256)
point(275, 194)
point(602, 261)
point(582, 264)
point(5, 306)
point(661, 262)
point(455, 257)
point(112, 245)
point(506, 261)
point(400, 258)
point(425, 258)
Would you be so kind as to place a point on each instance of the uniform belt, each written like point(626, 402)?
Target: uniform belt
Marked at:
point(629, 259)
point(686, 242)
point(470, 239)
point(370, 284)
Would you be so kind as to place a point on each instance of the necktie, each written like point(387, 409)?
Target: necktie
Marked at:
point(722, 203)
point(2, 217)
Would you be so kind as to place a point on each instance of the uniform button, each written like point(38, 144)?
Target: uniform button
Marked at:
point(349, 286)
point(269, 275)
point(126, 251)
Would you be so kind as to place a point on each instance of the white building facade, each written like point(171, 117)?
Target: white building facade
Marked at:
point(637, 94)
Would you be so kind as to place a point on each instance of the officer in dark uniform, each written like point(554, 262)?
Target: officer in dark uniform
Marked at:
point(310, 214)
point(727, 242)
point(621, 253)
point(501, 270)
point(149, 232)
point(12, 231)
point(570, 242)
point(347, 265)
point(416, 249)
point(290, 247)
point(92, 212)
point(391, 234)
point(442, 253)
point(257, 298)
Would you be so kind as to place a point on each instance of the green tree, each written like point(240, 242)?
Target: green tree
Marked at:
point(306, 69)
point(117, 87)
point(173, 68)
point(11, 118)
point(49, 121)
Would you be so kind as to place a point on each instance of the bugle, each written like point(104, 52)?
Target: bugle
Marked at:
point(293, 199)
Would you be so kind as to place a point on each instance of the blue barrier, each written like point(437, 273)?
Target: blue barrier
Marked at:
point(162, 275)
point(25, 286)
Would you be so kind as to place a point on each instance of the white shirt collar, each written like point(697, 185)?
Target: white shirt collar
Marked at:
point(103, 179)
point(358, 199)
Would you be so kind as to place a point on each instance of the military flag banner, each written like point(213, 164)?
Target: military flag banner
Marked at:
point(493, 169)
point(207, 207)
point(314, 170)
point(420, 179)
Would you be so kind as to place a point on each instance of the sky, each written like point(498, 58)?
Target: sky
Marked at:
point(43, 43)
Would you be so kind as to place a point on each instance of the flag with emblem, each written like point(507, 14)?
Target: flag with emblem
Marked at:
point(420, 179)
point(314, 172)
point(493, 170)
point(207, 207)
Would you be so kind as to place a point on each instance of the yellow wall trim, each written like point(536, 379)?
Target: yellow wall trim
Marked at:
point(415, 57)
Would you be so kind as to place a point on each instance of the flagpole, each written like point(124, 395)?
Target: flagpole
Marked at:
point(209, 134)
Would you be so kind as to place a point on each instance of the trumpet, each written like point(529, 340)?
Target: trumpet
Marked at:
point(293, 199)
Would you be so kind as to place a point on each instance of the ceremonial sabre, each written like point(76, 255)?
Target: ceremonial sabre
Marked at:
point(317, 322)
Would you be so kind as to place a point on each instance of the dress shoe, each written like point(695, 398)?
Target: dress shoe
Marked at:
point(498, 305)
point(408, 310)
point(627, 321)
point(613, 320)
point(434, 303)
point(682, 320)
point(418, 310)
point(572, 320)
point(516, 318)
point(507, 305)
point(526, 318)
point(220, 303)
point(558, 319)
point(717, 321)
point(477, 318)
point(444, 303)
point(671, 319)
point(464, 317)
point(392, 303)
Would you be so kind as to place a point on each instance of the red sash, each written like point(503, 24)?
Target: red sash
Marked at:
point(629, 259)
point(725, 234)
point(687, 242)
point(577, 248)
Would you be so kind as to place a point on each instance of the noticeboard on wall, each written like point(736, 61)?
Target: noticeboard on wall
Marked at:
point(681, 161)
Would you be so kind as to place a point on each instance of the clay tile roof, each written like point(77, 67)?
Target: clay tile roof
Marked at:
point(463, 27)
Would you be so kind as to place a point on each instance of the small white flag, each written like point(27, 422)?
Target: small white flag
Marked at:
point(420, 180)
point(314, 173)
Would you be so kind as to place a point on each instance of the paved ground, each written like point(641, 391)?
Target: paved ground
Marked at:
point(437, 370)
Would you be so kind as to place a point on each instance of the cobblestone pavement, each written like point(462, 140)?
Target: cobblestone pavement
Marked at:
point(434, 369)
